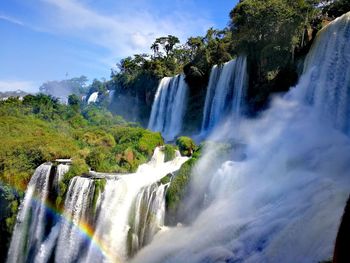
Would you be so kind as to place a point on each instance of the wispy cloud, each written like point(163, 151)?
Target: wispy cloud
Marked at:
point(11, 20)
point(11, 85)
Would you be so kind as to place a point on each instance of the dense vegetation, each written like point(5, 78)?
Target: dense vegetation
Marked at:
point(39, 129)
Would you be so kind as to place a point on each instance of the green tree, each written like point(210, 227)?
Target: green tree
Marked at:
point(74, 101)
point(270, 28)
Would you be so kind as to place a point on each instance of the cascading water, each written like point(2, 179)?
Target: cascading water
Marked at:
point(169, 107)
point(225, 93)
point(326, 78)
point(78, 210)
point(284, 201)
point(93, 98)
point(111, 95)
point(112, 225)
point(61, 169)
point(148, 216)
point(99, 214)
point(32, 219)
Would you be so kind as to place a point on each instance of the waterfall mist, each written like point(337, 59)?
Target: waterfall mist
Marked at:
point(283, 201)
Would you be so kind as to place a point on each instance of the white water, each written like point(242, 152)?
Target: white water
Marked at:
point(148, 215)
point(30, 225)
point(60, 171)
point(225, 93)
point(93, 98)
point(169, 107)
point(283, 203)
point(78, 209)
point(108, 218)
point(116, 205)
point(326, 78)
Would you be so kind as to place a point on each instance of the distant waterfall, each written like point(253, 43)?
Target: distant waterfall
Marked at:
point(93, 98)
point(169, 106)
point(225, 92)
point(98, 223)
point(326, 78)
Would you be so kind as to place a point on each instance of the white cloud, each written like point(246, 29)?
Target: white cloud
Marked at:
point(12, 85)
point(128, 32)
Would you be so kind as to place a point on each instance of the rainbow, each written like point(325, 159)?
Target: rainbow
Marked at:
point(85, 229)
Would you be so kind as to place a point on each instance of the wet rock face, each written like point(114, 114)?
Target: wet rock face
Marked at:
point(341, 251)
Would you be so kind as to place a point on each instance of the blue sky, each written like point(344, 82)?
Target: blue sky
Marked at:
point(45, 40)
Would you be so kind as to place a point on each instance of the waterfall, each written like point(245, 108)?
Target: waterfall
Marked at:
point(113, 221)
point(98, 217)
point(32, 219)
point(78, 209)
point(225, 93)
point(326, 78)
point(147, 217)
point(93, 98)
point(169, 107)
point(61, 169)
point(111, 95)
point(284, 201)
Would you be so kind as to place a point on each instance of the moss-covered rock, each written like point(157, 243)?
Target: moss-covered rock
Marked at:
point(178, 186)
point(166, 179)
point(186, 145)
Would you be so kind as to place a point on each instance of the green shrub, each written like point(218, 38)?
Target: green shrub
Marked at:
point(186, 145)
point(148, 141)
point(99, 138)
point(134, 146)
point(101, 159)
point(169, 152)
